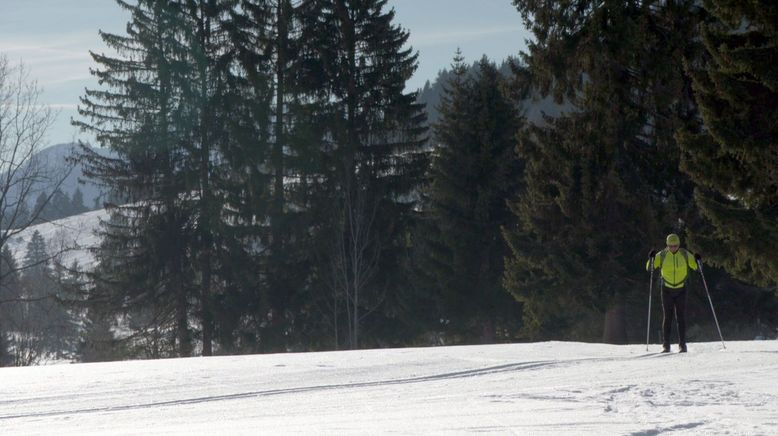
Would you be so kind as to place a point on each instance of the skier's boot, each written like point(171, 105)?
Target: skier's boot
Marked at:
point(682, 348)
point(666, 348)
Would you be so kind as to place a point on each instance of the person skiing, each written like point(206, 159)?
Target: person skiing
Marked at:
point(674, 263)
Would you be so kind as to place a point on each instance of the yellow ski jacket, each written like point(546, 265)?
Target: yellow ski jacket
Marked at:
point(675, 266)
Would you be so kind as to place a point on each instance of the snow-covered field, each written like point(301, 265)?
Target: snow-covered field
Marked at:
point(541, 388)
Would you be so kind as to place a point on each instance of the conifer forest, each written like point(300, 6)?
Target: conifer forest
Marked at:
point(272, 185)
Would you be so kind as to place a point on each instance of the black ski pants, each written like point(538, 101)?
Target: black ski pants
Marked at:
point(674, 305)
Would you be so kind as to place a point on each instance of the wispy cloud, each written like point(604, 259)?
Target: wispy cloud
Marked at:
point(51, 60)
point(57, 106)
point(433, 38)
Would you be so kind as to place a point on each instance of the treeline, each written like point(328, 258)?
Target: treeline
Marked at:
point(49, 206)
point(59, 205)
point(285, 193)
point(667, 131)
point(271, 160)
point(36, 324)
point(431, 94)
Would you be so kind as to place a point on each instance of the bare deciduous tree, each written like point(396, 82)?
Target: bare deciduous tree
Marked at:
point(24, 121)
point(355, 256)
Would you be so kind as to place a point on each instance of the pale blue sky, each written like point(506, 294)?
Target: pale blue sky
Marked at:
point(53, 37)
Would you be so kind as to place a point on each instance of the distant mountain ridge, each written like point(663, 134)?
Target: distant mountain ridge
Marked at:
point(533, 107)
point(56, 158)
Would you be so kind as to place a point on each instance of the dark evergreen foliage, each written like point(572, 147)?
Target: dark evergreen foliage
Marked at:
point(733, 155)
point(52, 207)
point(10, 294)
point(97, 342)
point(205, 178)
point(41, 326)
point(143, 118)
point(431, 94)
point(601, 179)
point(474, 172)
point(270, 186)
point(370, 154)
point(77, 203)
point(269, 155)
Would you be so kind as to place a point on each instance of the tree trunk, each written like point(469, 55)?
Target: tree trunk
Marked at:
point(182, 321)
point(3, 346)
point(615, 331)
point(277, 281)
point(278, 146)
point(487, 332)
point(206, 219)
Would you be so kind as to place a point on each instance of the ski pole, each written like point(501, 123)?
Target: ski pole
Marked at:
point(699, 265)
point(650, 293)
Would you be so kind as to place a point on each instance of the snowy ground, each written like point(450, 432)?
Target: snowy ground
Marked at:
point(542, 388)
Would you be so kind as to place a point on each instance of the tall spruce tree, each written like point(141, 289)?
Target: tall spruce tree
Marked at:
point(5, 354)
point(60, 205)
point(601, 181)
point(474, 172)
point(142, 117)
point(77, 202)
point(207, 107)
point(40, 210)
point(212, 100)
point(10, 296)
point(96, 340)
point(372, 159)
point(267, 37)
point(33, 323)
point(733, 155)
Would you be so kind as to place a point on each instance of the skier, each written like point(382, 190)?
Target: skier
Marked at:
point(674, 263)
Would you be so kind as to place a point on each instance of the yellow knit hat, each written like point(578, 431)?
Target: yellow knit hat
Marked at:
point(673, 239)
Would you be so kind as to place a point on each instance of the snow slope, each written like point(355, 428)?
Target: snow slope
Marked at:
point(541, 388)
point(67, 239)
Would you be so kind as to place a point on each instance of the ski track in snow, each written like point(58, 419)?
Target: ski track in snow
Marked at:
point(541, 388)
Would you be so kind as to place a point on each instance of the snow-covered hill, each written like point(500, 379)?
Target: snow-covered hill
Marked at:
point(55, 157)
point(68, 239)
point(542, 388)
point(55, 165)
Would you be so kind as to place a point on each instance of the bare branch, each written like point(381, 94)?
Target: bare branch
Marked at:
point(24, 122)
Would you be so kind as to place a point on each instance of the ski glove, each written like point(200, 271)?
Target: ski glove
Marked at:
point(698, 256)
point(651, 254)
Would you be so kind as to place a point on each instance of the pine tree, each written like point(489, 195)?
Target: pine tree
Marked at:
point(203, 88)
point(733, 156)
point(40, 210)
point(59, 205)
point(97, 343)
point(601, 180)
point(372, 157)
point(5, 353)
point(266, 36)
point(77, 203)
point(474, 172)
point(20, 214)
point(96, 340)
point(143, 118)
point(36, 259)
point(10, 294)
point(432, 93)
point(37, 286)
point(202, 128)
